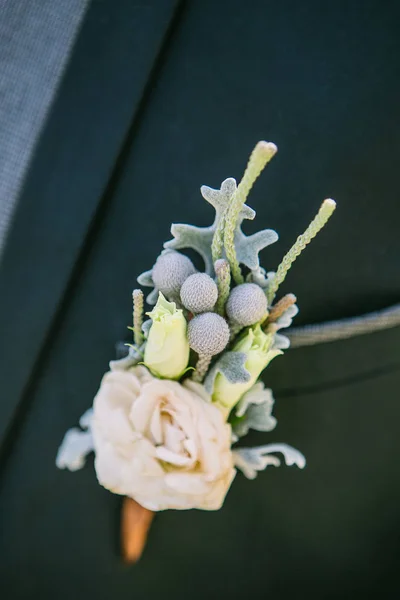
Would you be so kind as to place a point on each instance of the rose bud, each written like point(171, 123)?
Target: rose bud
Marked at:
point(167, 348)
point(256, 345)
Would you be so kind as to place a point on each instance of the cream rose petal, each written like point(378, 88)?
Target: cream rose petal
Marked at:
point(173, 437)
point(156, 427)
point(187, 483)
point(143, 409)
point(173, 458)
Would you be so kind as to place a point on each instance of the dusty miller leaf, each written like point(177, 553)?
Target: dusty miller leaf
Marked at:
point(281, 341)
point(261, 277)
point(254, 411)
point(146, 327)
point(248, 247)
point(232, 366)
point(146, 280)
point(131, 357)
point(76, 445)
point(200, 238)
point(252, 460)
point(286, 319)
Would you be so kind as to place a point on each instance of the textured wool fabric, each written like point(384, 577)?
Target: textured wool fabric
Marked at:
point(36, 37)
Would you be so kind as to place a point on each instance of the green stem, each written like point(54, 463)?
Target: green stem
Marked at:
point(322, 217)
point(223, 273)
point(259, 158)
point(218, 240)
point(202, 365)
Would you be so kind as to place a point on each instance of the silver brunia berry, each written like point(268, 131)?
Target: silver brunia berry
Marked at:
point(199, 293)
point(208, 334)
point(170, 271)
point(247, 304)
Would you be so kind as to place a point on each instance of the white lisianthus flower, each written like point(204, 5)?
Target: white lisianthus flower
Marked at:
point(162, 443)
point(257, 346)
point(167, 347)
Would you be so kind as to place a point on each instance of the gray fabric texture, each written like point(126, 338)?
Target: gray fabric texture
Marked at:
point(36, 37)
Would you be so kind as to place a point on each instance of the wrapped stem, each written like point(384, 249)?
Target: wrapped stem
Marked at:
point(259, 158)
point(322, 217)
point(135, 525)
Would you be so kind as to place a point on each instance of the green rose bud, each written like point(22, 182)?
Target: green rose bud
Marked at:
point(257, 346)
point(167, 348)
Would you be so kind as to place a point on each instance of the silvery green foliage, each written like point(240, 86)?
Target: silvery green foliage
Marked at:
point(248, 247)
point(208, 334)
point(146, 280)
point(252, 460)
point(287, 318)
point(76, 445)
point(199, 293)
point(281, 341)
point(130, 356)
point(255, 409)
point(200, 238)
point(146, 327)
point(232, 366)
point(247, 304)
point(261, 277)
point(122, 350)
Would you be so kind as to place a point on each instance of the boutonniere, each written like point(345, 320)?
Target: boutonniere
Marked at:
point(166, 417)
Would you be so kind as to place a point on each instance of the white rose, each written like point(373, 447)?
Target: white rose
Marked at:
point(162, 443)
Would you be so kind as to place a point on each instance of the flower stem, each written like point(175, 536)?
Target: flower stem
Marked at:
point(201, 367)
point(223, 273)
point(218, 240)
point(235, 328)
point(322, 217)
point(261, 155)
